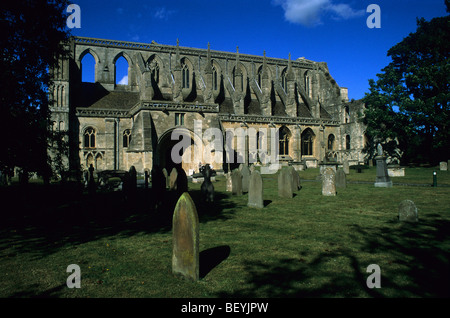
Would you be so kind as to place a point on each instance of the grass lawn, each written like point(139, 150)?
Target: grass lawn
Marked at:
point(307, 246)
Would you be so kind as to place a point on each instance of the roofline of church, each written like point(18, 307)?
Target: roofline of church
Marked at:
point(164, 48)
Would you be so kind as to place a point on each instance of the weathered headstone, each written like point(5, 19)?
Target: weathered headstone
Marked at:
point(182, 180)
point(329, 182)
point(185, 234)
point(285, 184)
point(382, 180)
point(166, 176)
point(346, 167)
point(236, 182)
point(207, 188)
point(91, 183)
point(146, 178)
point(173, 179)
point(255, 191)
point(407, 211)
point(341, 179)
point(229, 182)
point(295, 179)
point(443, 166)
point(133, 179)
point(245, 172)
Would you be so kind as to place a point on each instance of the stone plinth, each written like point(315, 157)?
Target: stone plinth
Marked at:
point(382, 180)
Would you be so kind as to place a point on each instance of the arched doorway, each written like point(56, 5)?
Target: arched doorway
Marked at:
point(178, 153)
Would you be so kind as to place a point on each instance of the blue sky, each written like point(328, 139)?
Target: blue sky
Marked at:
point(332, 31)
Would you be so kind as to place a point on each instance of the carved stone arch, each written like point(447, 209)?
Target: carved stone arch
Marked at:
point(88, 51)
point(96, 59)
point(129, 60)
point(283, 77)
point(163, 156)
point(125, 55)
point(237, 72)
point(156, 66)
point(307, 142)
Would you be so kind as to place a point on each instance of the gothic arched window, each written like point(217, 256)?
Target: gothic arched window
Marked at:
point(126, 138)
point(284, 80)
point(331, 139)
point(215, 82)
point(347, 142)
point(89, 137)
point(185, 75)
point(284, 135)
point(307, 142)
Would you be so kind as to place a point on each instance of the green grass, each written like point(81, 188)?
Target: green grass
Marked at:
point(307, 246)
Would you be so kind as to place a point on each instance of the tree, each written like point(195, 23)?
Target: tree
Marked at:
point(33, 36)
point(410, 99)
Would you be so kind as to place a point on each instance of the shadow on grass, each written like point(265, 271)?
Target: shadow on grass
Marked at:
point(42, 220)
point(413, 258)
point(35, 292)
point(212, 257)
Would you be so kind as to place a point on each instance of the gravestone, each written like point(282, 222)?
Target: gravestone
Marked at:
point(255, 191)
point(407, 211)
point(285, 184)
point(207, 187)
point(341, 179)
point(329, 182)
point(146, 178)
point(91, 183)
point(245, 172)
point(295, 179)
point(443, 166)
point(236, 182)
point(382, 180)
point(173, 179)
point(182, 180)
point(133, 179)
point(166, 176)
point(346, 167)
point(229, 182)
point(185, 236)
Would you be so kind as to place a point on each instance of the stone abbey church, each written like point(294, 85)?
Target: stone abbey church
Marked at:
point(114, 127)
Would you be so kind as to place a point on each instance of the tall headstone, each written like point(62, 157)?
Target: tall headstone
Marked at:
point(146, 178)
point(133, 179)
point(341, 181)
point(236, 182)
point(91, 183)
point(255, 191)
point(173, 179)
point(182, 180)
point(285, 184)
point(295, 178)
point(346, 167)
point(407, 211)
point(245, 172)
point(329, 182)
point(185, 233)
point(166, 176)
point(382, 180)
point(229, 182)
point(207, 188)
point(443, 166)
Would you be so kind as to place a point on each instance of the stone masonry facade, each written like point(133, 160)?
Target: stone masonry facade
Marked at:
point(116, 126)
